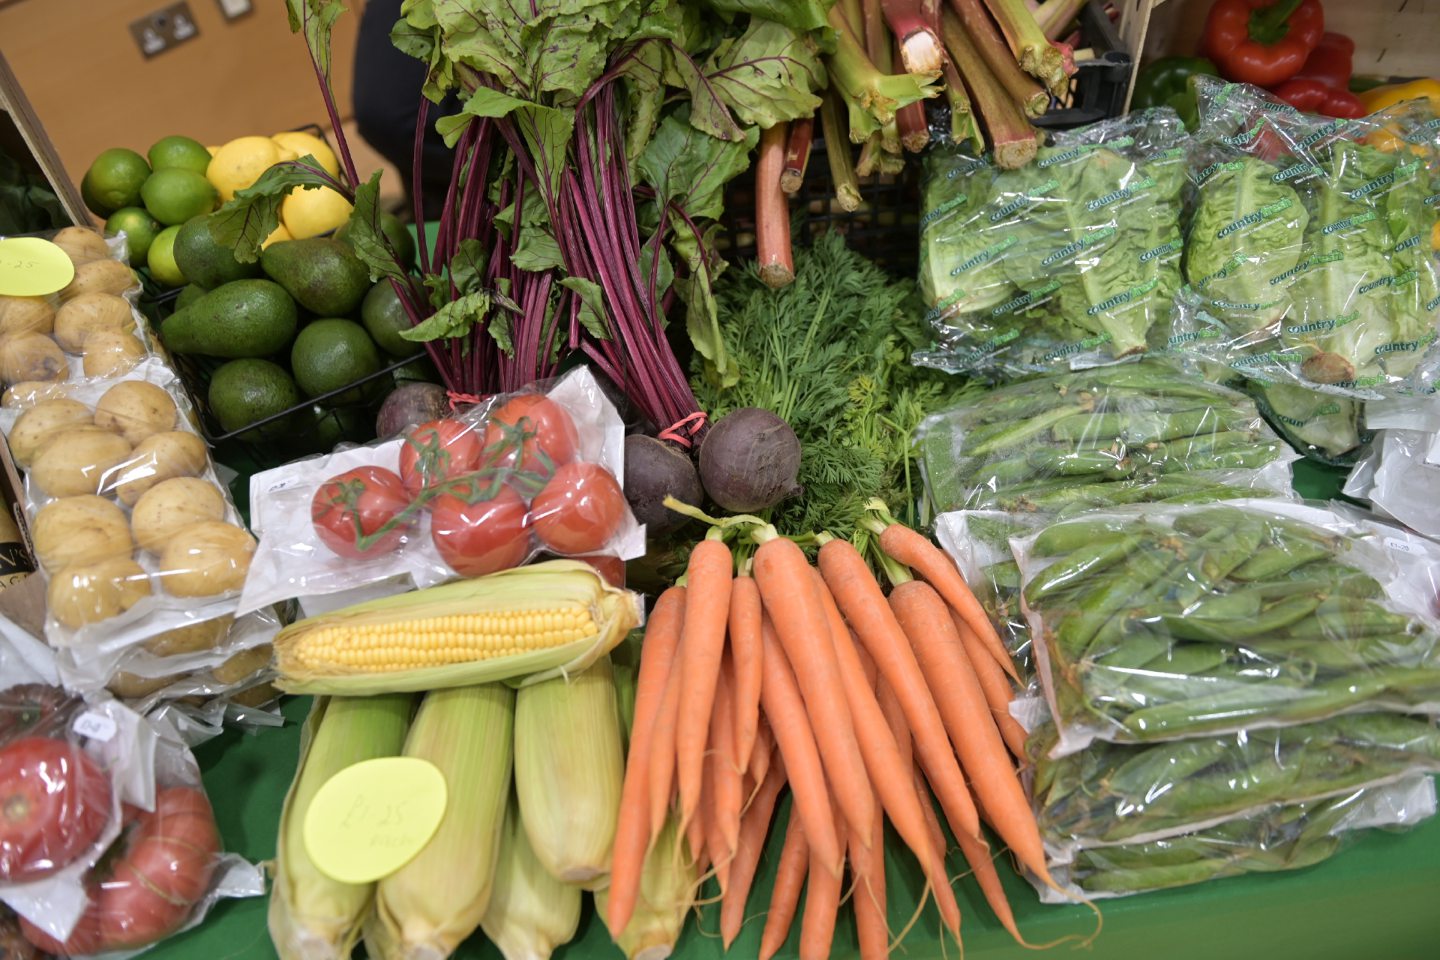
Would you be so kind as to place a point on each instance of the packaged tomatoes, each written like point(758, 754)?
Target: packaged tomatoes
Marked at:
point(486, 489)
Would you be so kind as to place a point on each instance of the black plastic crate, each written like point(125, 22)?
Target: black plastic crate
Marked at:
point(1099, 85)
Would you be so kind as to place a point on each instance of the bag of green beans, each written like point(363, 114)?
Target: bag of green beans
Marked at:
point(1162, 622)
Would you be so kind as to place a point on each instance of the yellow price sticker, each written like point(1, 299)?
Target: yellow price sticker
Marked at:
point(373, 817)
point(31, 267)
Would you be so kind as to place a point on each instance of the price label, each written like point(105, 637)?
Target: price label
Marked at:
point(1405, 546)
point(96, 726)
point(373, 817)
point(31, 267)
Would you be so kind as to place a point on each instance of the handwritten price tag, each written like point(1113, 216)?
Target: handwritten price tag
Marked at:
point(372, 818)
point(31, 267)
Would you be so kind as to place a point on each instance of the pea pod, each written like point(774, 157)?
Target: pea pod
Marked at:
point(1015, 432)
point(1062, 538)
point(1080, 565)
point(1277, 560)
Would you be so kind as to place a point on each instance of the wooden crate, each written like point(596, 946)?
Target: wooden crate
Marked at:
point(25, 139)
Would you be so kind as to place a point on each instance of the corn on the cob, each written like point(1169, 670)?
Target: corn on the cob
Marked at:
point(547, 619)
point(667, 892)
point(569, 771)
point(313, 917)
point(427, 907)
point(530, 913)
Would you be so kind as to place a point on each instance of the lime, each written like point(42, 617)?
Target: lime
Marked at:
point(179, 153)
point(244, 391)
point(330, 353)
point(114, 181)
point(139, 228)
point(161, 259)
point(175, 196)
point(384, 316)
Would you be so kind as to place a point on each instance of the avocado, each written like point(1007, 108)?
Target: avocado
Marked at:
point(246, 318)
point(332, 352)
point(188, 295)
point(384, 317)
point(321, 273)
point(401, 240)
point(204, 261)
point(245, 391)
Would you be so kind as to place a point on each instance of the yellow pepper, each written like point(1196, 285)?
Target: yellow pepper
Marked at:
point(1381, 97)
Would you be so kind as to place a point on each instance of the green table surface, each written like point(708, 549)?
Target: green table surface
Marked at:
point(1378, 899)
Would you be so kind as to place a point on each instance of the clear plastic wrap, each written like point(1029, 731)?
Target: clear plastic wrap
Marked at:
point(1071, 261)
point(1308, 255)
point(485, 490)
point(1286, 837)
point(1321, 426)
point(1161, 622)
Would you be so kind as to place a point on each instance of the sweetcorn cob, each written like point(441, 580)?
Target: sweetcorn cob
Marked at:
point(569, 771)
point(313, 917)
point(546, 619)
point(667, 892)
point(427, 907)
point(530, 912)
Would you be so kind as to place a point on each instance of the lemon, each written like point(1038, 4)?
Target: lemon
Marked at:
point(140, 230)
point(173, 196)
point(285, 152)
point(276, 236)
point(213, 150)
point(300, 143)
point(114, 181)
point(161, 259)
point(239, 163)
point(311, 211)
point(179, 152)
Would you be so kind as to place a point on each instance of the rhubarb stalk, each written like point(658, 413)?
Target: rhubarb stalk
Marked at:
point(910, 124)
point(1011, 136)
point(797, 154)
point(869, 162)
point(1055, 17)
point(920, 48)
point(837, 152)
point(1037, 56)
point(772, 213)
point(964, 125)
point(867, 89)
point(998, 58)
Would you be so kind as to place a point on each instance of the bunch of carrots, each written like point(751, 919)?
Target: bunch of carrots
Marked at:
point(778, 673)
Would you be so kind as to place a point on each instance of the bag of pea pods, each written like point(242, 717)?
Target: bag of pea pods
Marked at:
point(1162, 622)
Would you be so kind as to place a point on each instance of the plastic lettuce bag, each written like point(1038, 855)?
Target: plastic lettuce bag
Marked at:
point(1070, 262)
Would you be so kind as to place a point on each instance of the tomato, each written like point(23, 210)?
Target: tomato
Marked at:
point(351, 507)
point(36, 709)
point(579, 510)
point(84, 939)
point(54, 803)
point(611, 569)
point(478, 532)
point(438, 451)
point(541, 429)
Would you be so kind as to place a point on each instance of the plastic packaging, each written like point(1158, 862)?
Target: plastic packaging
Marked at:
point(1308, 255)
point(483, 491)
point(1163, 622)
point(1286, 837)
point(1071, 261)
point(1321, 426)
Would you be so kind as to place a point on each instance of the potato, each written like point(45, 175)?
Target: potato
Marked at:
point(82, 245)
point(26, 315)
point(32, 356)
point(38, 425)
point(194, 638)
point(132, 686)
point(157, 458)
point(171, 506)
point(244, 664)
point(91, 313)
point(110, 354)
point(89, 593)
point(100, 276)
point(80, 530)
point(136, 409)
point(27, 393)
point(77, 462)
point(256, 696)
point(206, 559)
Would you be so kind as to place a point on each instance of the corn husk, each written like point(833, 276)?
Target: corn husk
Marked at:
point(530, 912)
point(667, 893)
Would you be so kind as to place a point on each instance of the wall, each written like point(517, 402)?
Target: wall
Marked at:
point(92, 88)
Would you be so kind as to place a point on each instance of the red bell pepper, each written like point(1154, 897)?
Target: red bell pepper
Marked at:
point(1323, 84)
point(1263, 42)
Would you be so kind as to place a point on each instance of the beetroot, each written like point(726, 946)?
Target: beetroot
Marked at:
point(409, 405)
point(653, 470)
point(749, 460)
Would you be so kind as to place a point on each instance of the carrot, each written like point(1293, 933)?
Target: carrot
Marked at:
point(661, 774)
point(868, 867)
point(789, 881)
point(791, 597)
point(890, 776)
point(707, 609)
point(978, 856)
point(726, 795)
point(695, 840)
point(906, 546)
point(745, 658)
point(994, 684)
point(822, 902)
point(781, 699)
point(856, 591)
point(895, 718)
point(707, 815)
point(747, 853)
point(760, 756)
point(983, 755)
point(632, 830)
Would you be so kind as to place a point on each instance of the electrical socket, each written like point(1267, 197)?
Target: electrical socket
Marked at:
point(164, 29)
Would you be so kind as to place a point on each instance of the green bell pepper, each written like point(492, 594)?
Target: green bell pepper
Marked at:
point(1166, 82)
